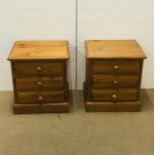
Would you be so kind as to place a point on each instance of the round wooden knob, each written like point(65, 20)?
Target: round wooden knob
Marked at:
point(40, 98)
point(116, 67)
point(39, 83)
point(114, 96)
point(115, 82)
point(39, 68)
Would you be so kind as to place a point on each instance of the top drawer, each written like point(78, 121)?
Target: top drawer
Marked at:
point(39, 69)
point(115, 67)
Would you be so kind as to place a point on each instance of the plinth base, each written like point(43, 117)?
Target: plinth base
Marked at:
point(41, 108)
point(112, 106)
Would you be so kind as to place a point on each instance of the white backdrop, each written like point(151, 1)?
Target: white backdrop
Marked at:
point(55, 19)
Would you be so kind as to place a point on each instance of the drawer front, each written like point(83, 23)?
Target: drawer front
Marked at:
point(115, 67)
point(39, 69)
point(110, 81)
point(39, 83)
point(40, 97)
point(114, 95)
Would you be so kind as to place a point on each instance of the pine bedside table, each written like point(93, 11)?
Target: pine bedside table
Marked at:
point(113, 75)
point(39, 73)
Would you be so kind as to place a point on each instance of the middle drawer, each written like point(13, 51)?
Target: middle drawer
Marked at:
point(110, 81)
point(39, 83)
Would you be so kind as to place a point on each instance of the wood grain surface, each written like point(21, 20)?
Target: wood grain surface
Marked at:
point(42, 50)
point(113, 49)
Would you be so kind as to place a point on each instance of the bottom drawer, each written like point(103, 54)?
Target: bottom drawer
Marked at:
point(114, 95)
point(40, 97)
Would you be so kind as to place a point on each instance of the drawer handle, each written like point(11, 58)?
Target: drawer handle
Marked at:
point(39, 83)
point(116, 67)
point(39, 69)
point(40, 98)
point(115, 82)
point(114, 96)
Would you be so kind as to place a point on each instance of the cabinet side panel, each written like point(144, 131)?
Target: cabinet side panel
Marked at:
point(140, 79)
point(88, 79)
point(13, 81)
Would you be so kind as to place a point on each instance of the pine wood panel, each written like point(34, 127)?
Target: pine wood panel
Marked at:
point(113, 49)
point(44, 50)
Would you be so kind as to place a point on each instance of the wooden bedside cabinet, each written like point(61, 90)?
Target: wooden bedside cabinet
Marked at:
point(113, 75)
point(39, 72)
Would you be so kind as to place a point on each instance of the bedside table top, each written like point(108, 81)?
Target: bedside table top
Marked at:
point(113, 49)
point(39, 50)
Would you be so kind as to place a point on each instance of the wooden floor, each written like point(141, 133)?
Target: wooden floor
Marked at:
point(78, 132)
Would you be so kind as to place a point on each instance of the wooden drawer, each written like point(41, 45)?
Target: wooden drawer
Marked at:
point(114, 95)
point(40, 97)
point(39, 83)
point(115, 67)
point(39, 69)
point(110, 81)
